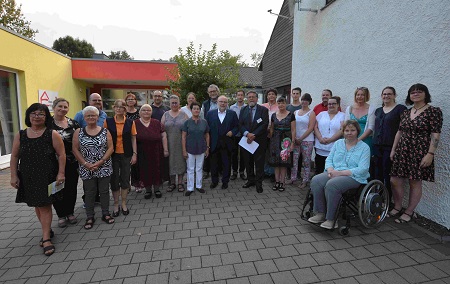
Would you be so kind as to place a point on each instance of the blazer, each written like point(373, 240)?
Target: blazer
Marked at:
point(259, 124)
point(230, 122)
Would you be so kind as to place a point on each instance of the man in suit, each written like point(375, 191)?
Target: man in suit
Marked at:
point(209, 104)
point(223, 126)
point(253, 123)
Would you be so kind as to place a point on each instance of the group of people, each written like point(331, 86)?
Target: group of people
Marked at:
point(145, 146)
point(400, 142)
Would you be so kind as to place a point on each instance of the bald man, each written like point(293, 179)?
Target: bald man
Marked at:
point(157, 106)
point(94, 100)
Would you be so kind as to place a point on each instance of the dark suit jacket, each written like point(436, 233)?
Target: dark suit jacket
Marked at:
point(230, 122)
point(257, 128)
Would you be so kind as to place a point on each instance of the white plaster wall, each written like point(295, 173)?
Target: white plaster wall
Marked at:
point(376, 43)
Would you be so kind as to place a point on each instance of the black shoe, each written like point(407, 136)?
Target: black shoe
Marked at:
point(248, 184)
point(233, 176)
point(116, 213)
point(125, 212)
point(242, 176)
point(148, 195)
point(213, 185)
point(259, 189)
point(188, 192)
point(224, 185)
point(201, 190)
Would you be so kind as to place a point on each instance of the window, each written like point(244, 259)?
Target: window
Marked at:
point(9, 112)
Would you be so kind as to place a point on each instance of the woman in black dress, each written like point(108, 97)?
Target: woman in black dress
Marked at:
point(413, 151)
point(282, 130)
point(66, 127)
point(37, 160)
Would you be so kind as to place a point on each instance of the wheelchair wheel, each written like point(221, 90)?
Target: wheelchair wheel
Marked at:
point(373, 204)
point(343, 231)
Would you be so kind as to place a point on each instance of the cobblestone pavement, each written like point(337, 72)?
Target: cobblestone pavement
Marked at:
point(224, 236)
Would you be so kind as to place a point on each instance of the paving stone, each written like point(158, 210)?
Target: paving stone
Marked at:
point(245, 269)
point(211, 260)
point(170, 265)
point(202, 275)
point(323, 258)
point(224, 272)
point(82, 277)
point(236, 246)
point(265, 266)
point(254, 244)
point(269, 253)
point(200, 250)
point(390, 276)
point(180, 277)
point(135, 280)
point(325, 272)
point(411, 275)
point(242, 280)
point(368, 279)
point(287, 251)
point(364, 266)
point(230, 258)
point(384, 263)
point(149, 268)
point(285, 277)
point(191, 263)
point(260, 279)
point(304, 275)
point(285, 263)
point(158, 278)
point(251, 255)
point(402, 260)
point(345, 269)
point(59, 278)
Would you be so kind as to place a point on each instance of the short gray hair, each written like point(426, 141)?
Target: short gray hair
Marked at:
point(174, 97)
point(145, 106)
point(90, 108)
point(215, 87)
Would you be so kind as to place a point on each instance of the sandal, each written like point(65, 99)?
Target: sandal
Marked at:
point(275, 186)
point(402, 220)
point(281, 187)
point(62, 222)
point(158, 194)
point(171, 187)
point(89, 223)
point(395, 212)
point(72, 219)
point(180, 187)
point(108, 219)
point(52, 234)
point(48, 250)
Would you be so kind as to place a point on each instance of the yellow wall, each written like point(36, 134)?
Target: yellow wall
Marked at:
point(39, 68)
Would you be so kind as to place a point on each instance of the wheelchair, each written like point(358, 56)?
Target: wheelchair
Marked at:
point(369, 202)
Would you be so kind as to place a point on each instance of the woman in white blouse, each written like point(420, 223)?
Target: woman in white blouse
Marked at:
point(327, 130)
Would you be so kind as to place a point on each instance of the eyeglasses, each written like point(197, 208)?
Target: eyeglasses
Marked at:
point(130, 99)
point(119, 107)
point(91, 115)
point(173, 103)
point(96, 100)
point(332, 104)
point(39, 115)
point(157, 96)
point(146, 110)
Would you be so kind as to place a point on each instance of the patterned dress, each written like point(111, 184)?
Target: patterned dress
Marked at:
point(173, 126)
point(414, 144)
point(93, 148)
point(38, 167)
point(281, 130)
point(133, 115)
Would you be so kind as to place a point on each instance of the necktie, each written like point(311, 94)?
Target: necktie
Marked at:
point(251, 114)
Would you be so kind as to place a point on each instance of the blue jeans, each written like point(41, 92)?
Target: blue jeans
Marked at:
point(328, 192)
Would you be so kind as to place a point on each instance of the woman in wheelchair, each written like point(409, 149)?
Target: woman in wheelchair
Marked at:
point(347, 167)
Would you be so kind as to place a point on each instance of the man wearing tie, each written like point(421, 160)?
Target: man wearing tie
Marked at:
point(224, 125)
point(253, 123)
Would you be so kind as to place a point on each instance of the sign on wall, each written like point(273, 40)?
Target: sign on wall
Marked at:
point(47, 97)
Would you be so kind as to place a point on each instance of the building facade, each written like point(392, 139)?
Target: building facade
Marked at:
point(31, 72)
point(378, 43)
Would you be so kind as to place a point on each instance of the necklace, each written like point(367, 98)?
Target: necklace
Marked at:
point(416, 109)
point(37, 132)
point(59, 125)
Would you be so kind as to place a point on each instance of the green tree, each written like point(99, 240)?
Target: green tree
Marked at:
point(11, 17)
point(256, 59)
point(198, 68)
point(120, 55)
point(74, 47)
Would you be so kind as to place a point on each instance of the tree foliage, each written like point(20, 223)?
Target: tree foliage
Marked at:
point(256, 59)
point(198, 68)
point(74, 47)
point(11, 17)
point(120, 55)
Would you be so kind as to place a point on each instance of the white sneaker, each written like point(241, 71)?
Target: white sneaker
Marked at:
point(318, 218)
point(329, 225)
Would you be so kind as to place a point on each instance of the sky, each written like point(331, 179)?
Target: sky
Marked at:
point(155, 29)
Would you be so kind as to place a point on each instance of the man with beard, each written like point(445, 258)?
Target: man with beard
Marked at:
point(323, 106)
point(157, 106)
